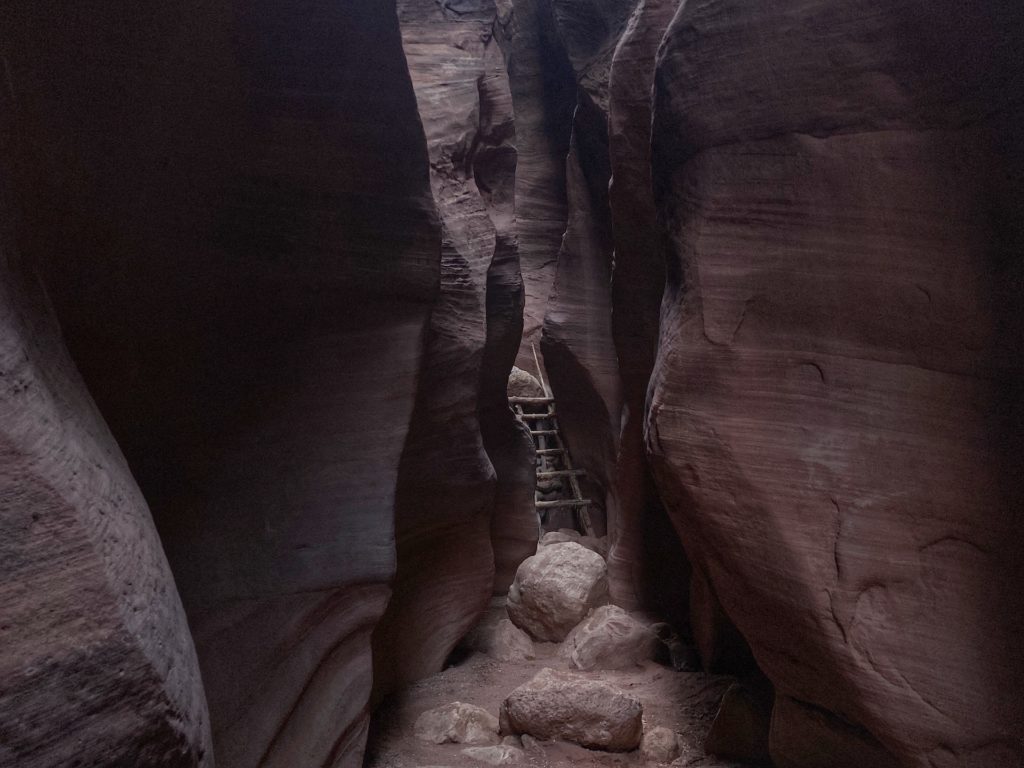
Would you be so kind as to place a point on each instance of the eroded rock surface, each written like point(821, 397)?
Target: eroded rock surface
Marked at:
point(609, 638)
point(543, 97)
point(502, 754)
point(560, 705)
point(97, 665)
point(555, 589)
point(230, 209)
point(647, 567)
point(835, 404)
point(446, 485)
point(659, 745)
point(458, 723)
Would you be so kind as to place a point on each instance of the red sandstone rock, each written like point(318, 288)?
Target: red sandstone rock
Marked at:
point(97, 665)
point(544, 96)
point(232, 211)
point(446, 482)
point(831, 410)
point(646, 566)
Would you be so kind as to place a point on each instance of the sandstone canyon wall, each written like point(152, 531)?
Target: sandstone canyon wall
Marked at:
point(231, 209)
point(835, 413)
point(264, 270)
point(447, 484)
point(835, 409)
point(97, 663)
point(601, 311)
point(543, 90)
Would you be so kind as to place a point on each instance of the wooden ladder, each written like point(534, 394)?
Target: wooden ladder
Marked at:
point(559, 454)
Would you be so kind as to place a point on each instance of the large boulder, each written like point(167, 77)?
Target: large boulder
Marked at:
point(561, 705)
point(555, 589)
point(459, 723)
point(609, 638)
point(562, 535)
point(524, 384)
point(510, 643)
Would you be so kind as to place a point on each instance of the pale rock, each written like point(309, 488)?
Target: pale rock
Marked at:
point(609, 638)
point(459, 723)
point(561, 705)
point(556, 588)
point(562, 535)
point(499, 638)
point(659, 745)
point(524, 384)
point(510, 643)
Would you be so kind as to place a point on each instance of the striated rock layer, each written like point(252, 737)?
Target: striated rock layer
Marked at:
point(577, 343)
point(97, 664)
point(446, 481)
point(835, 415)
point(646, 565)
point(232, 211)
point(544, 96)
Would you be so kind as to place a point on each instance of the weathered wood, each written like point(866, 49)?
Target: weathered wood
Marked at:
point(563, 503)
point(538, 416)
point(548, 451)
point(516, 400)
point(543, 431)
point(560, 473)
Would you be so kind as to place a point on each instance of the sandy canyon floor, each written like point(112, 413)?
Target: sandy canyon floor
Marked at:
point(685, 702)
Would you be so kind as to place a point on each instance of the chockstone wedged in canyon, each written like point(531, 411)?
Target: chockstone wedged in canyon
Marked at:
point(266, 267)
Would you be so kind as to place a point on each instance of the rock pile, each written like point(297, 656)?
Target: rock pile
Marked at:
point(559, 593)
point(458, 723)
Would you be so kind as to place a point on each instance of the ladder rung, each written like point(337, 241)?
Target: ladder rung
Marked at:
point(548, 451)
point(563, 503)
point(543, 431)
point(561, 473)
point(538, 415)
point(531, 400)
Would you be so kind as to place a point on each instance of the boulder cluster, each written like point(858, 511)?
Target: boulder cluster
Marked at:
point(559, 595)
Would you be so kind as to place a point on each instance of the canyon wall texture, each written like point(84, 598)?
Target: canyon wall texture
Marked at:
point(836, 400)
point(835, 413)
point(446, 482)
point(543, 96)
point(646, 566)
point(264, 269)
point(231, 209)
point(97, 662)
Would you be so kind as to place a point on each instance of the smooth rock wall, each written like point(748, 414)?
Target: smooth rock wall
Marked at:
point(232, 210)
point(543, 89)
point(836, 405)
point(646, 565)
point(446, 484)
point(579, 353)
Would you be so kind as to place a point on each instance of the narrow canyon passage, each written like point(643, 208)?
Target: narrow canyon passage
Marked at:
point(454, 383)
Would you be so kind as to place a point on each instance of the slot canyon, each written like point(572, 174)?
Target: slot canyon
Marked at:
point(458, 383)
